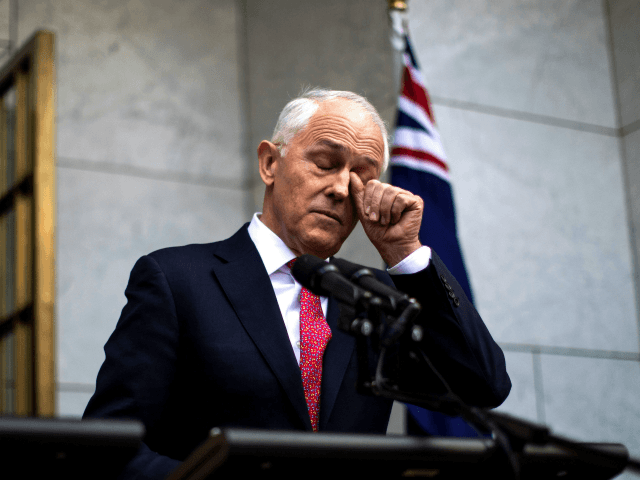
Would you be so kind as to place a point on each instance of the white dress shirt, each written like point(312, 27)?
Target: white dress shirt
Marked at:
point(275, 255)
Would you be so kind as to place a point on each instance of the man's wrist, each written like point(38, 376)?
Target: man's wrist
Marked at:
point(398, 253)
point(413, 263)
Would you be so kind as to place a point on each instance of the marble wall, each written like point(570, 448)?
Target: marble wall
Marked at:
point(532, 100)
point(150, 152)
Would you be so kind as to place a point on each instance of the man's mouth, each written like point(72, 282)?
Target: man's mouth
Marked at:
point(329, 214)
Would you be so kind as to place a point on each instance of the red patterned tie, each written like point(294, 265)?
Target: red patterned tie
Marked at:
point(314, 336)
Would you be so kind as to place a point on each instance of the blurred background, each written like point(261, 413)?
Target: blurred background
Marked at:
point(161, 105)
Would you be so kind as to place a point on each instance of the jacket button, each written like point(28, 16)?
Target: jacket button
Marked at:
point(456, 301)
point(451, 294)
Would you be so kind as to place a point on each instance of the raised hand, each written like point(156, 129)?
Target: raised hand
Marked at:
point(391, 217)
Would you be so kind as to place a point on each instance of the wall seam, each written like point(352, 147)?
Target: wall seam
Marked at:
point(538, 387)
point(623, 158)
point(76, 387)
point(149, 173)
point(527, 116)
point(245, 100)
point(631, 128)
point(570, 351)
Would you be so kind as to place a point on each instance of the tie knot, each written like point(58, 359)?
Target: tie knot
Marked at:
point(291, 262)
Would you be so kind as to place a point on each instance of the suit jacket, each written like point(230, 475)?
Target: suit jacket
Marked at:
point(201, 343)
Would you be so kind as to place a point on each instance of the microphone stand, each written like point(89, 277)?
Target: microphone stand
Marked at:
point(511, 434)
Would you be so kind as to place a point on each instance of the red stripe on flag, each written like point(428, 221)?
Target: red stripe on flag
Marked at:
point(416, 92)
point(420, 155)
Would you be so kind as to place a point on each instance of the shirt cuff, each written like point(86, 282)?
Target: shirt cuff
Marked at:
point(414, 263)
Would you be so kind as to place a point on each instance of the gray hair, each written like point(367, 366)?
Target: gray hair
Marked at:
point(296, 115)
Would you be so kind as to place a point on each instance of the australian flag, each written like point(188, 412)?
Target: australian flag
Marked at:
point(419, 164)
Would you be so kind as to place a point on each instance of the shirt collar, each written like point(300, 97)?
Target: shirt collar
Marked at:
point(273, 251)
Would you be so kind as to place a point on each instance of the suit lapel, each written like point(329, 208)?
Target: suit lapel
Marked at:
point(335, 363)
point(246, 284)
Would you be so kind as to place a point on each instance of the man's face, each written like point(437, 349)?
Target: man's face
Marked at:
point(310, 207)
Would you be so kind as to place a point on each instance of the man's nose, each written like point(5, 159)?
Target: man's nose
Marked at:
point(339, 187)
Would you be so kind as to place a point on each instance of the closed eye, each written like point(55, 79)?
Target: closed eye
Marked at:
point(324, 162)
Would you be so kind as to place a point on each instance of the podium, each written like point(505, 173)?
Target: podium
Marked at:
point(99, 449)
point(243, 453)
point(69, 449)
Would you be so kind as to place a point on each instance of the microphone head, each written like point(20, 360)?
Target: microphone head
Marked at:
point(352, 271)
point(308, 271)
point(362, 276)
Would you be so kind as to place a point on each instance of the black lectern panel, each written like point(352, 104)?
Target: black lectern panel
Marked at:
point(69, 449)
point(239, 453)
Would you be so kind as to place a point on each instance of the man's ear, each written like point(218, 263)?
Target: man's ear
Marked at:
point(268, 156)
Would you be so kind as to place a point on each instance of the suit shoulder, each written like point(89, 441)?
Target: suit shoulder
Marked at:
point(198, 256)
point(198, 251)
point(179, 260)
point(183, 252)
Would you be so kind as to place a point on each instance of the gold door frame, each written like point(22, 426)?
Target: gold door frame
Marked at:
point(27, 229)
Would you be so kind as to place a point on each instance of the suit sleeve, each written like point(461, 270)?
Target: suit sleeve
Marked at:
point(136, 377)
point(456, 339)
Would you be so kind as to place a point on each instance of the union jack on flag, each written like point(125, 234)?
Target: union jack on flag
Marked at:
point(417, 141)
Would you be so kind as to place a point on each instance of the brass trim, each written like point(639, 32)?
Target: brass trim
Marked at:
point(27, 379)
point(22, 203)
point(44, 197)
point(4, 183)
point(3, 234)
point(398, 5)
point(23, 352)
point(23, 362)
point(3, 362)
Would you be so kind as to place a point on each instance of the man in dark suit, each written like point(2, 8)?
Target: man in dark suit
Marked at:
point(211, 334)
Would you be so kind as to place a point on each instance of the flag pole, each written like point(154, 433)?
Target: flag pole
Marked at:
point(398, 5)
point(399, 24)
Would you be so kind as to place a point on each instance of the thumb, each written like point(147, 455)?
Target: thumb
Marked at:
point(357, 192)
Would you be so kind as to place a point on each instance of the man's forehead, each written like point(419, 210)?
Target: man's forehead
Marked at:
point(343, 108)
point(342, 116)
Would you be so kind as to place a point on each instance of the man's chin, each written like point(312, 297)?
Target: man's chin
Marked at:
point(321, 247)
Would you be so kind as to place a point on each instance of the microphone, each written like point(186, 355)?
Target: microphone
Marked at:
point(392, 299)
point(325, 279)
